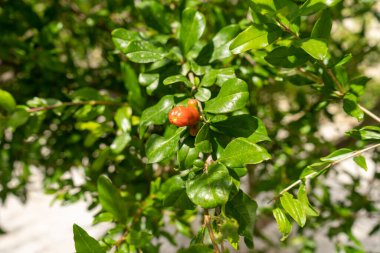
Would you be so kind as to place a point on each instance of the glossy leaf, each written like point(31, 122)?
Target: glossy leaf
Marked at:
point(241, 152)
point(122, 117)
point(255, 37)
point(350, 106)
point(323, 26)
point(316, 48)
point(122, 37)
point(143, 52)
point(84, 243)
point(120, 142)
point(294, 208)
point(212, 188)
point(284, 225)
point(193, 25)
point(222, 42)
point(156, 114)
point(159, 148)
point(232, 96)
point(111, 200)
point(243, 209)
point(203, 94)
point(177, 79)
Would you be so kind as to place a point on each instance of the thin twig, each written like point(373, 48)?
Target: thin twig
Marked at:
point(299, 181)
point(207, 224)
point(369, 113)
point(287, 29)
point(79, 103)
point(333, 77)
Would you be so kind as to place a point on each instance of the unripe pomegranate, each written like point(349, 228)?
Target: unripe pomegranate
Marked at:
point(184, 116)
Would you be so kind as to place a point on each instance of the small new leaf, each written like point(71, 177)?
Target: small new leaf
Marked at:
point(284, 225)
point(294, 208)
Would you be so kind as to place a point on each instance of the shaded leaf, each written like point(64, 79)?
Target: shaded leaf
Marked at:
point(110, 199)
point(323, 26)
point(302, 197)
point(286, 57)
point(243, 209)
point(174, 190)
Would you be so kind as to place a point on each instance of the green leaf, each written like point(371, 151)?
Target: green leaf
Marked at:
point(314, 47)
point(302, 197)
point(232, 96)
point(350, 106)
point(241, 152)
point(202, 140)
point(311, 6)
point(294, 208)
point(344, 60)
point(222, 41)
point(178, 79)
point(136, 98)
point(111, 200)
point(286, 57)
point(143, 52)
point(156, 114)
point(159, 148)
point(122, 116)
point(360, 161)
point(187, 154)
point(212, 188)
point(192, 27)
point(366, 133)
point(217, 76)
point(18, 118)
point(122, 37)
point(7, 102)
point(322, 27)
point(255, 37)
point(203, 94)
point(337, 155)
point(249, 127)
point(154, 15)
point(120, 142)
point(264, 6)
point(85, 243)
point(284, 225)
point(243, 209)
point(197, 248)
point(174, 190)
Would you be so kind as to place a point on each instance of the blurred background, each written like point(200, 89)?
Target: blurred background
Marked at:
point(50, 48)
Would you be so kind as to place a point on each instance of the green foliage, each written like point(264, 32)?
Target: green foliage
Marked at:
point(88, 86)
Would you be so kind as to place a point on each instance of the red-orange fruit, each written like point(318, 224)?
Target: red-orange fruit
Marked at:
point(184, 116)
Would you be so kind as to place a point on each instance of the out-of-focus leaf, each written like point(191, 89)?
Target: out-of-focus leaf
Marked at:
point(294, 208)
point(284, 225)
point(193, 25)
point(85, 243)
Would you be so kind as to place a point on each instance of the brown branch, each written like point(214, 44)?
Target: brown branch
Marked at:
point(369, 113)
point(312, 175)
point(79, 103)
point(207, 224)
point(287, 29)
